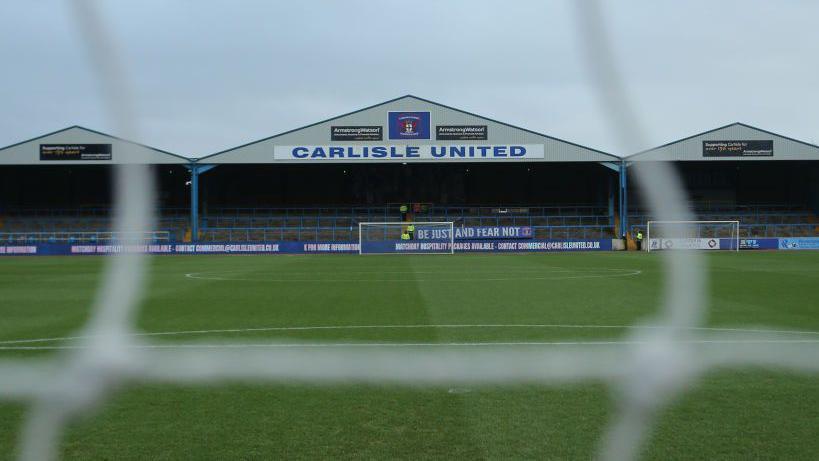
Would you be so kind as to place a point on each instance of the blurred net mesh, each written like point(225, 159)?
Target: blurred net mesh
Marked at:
point(645, 371)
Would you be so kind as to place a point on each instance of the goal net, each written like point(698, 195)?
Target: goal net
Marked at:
point(692, 235)
point(405, 238)
point(648, 370)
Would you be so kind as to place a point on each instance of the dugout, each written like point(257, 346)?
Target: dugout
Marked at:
point(407, 150)
point(740, 171)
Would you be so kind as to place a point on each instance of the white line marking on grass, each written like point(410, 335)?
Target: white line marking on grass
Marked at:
point(417, 326)
point(537, 274)
point(459, 390)
point(450, 344)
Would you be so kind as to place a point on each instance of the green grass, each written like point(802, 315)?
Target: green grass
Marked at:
point(730, 414)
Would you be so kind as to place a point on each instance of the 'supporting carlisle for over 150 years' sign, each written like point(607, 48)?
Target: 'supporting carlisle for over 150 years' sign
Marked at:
point(756, 148)
point(66, 152)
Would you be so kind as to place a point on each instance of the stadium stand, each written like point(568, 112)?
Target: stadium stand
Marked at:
point(756, 220)
point(93, 224)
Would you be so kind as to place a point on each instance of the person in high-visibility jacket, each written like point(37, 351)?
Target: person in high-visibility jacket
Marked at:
point(403, 209)
point(405, 236)
point(639, 240)
point(411, 231)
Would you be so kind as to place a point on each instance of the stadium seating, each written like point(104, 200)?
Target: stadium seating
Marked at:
point(82, 225)
point(341, 223)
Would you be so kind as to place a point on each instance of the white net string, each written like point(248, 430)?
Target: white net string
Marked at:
point(650, 367)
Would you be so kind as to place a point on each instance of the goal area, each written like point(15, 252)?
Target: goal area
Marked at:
point(406, 237)
point(692, 235)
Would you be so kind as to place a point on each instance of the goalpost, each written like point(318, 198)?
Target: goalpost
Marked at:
point(425, 238)
point(692, 235)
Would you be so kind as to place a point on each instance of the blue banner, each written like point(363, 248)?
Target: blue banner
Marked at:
point(511, 246)
point(48, 249)
point(397, 246)
point(805, 243)
point(756, 244)
point(438, 232)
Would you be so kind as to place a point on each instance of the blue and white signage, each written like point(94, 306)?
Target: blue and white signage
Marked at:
point(752, 244)
point(445, 153)
point(489, 246)
point(474, 233)
point(386, 246)
point(409, 125)
point(804, 243)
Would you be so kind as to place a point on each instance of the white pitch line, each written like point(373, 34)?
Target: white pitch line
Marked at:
point(494, 270)
point(417, 326)
point(451, 344)
point(625, 273)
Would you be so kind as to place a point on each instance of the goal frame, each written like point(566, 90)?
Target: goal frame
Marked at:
point(407, 223)
point(735, 227)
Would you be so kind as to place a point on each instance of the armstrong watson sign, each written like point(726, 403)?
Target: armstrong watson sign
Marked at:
point(347, 143)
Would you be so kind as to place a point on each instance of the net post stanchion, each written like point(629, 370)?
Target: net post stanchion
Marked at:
point(451, 238)
point(737, 235)
point(360, 240)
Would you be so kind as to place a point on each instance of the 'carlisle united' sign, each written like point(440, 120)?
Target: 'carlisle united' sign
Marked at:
point(444, 153)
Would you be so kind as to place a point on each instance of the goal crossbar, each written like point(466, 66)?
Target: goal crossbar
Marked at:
point(448, 240)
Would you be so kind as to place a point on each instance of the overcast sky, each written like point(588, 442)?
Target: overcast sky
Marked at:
point(210, 75)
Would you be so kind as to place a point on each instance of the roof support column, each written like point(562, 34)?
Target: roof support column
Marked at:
point(196, 170)
point(623, 199)
point(611, 194)
point(619, 168)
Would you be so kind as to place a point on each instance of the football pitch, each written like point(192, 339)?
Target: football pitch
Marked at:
point(469, 300)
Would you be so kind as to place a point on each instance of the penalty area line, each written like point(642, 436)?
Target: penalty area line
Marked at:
point(417, 326)
point(419, 345)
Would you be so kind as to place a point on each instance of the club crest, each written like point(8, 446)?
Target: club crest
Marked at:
point(409, 125)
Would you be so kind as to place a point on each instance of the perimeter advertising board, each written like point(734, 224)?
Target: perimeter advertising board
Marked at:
point(755, 244)
point(715, 244)
point(397, 246)
point(685, 244)
point(805, 243)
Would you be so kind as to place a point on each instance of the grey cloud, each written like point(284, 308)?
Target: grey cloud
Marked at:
point(212, 75)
